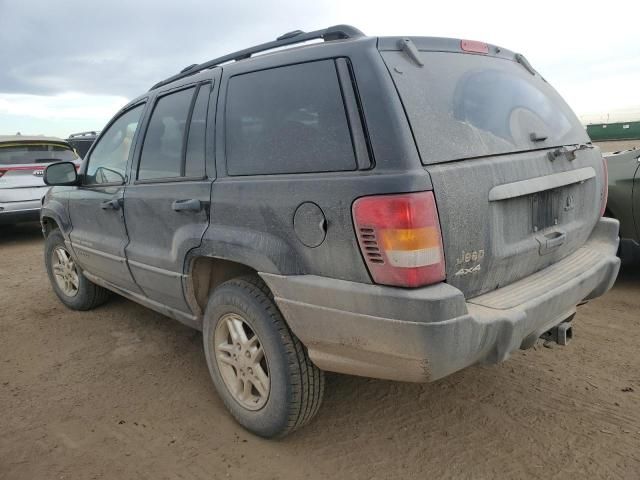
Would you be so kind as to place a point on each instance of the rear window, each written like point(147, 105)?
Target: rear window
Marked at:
point(462, 106)
point(24, 154)
point(287, 120)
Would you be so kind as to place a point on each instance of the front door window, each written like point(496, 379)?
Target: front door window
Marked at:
point(108, 160)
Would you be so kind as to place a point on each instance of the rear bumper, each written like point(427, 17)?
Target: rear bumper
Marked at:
point(427, 333)
point(17, 212)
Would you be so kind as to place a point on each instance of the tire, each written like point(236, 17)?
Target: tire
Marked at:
point(295, 384)
point(87, 294)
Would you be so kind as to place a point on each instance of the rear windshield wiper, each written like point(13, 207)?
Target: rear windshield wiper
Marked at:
point(569, 151)
point(408, 47)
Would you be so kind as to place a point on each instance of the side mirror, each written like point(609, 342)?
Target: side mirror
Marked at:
point(61, 174)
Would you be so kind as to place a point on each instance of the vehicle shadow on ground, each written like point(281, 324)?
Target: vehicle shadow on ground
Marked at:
point(629, 274)
point(20, 233)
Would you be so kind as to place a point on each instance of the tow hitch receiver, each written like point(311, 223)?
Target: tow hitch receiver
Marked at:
point(560, 334)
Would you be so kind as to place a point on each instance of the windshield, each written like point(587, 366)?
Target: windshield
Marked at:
point(27, 153)
point(462, 106)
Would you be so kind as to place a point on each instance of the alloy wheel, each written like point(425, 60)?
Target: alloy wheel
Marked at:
point(65, 271)
point(242, 362)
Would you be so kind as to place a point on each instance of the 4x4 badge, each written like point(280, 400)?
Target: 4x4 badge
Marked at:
point(467, 271)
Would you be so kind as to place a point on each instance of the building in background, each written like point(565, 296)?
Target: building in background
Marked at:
point(616, 130)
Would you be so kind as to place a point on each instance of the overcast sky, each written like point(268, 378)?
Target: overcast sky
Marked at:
point(67, 66)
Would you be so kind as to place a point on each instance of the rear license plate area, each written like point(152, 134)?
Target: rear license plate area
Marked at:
point(545, 208)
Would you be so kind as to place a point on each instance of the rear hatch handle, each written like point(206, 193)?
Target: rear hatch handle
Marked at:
point(551, 240)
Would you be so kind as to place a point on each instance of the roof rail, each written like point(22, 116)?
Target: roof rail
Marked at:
point(337, 32)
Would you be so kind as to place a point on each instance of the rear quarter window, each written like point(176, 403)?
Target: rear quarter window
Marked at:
point(287, 120)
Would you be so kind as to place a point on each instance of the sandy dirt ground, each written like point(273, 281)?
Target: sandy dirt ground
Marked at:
point(122, 392)
point(617, 145)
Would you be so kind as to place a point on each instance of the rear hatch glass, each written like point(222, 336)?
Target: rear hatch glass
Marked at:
point(22, 166)
point(26, 154)
point(464, 105)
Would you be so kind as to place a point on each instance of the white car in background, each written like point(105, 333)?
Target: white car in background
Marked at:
point(22, 162)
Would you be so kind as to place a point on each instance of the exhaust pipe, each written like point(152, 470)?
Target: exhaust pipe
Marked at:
point(560, 334)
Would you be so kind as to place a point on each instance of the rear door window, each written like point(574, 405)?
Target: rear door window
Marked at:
point(174, 144)
point(287, 120)
point(194, 156)
point(163, 143)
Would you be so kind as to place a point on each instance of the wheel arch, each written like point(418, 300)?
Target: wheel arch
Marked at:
point(53, 215)
point(49, 224)
point(227, 252)
point(205, 274)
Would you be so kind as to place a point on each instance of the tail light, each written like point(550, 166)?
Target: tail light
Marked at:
point(11, 169)
point(400, 239)
point(604, 194)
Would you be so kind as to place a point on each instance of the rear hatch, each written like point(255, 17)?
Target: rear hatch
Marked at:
point(22, 164)
point(517, 183)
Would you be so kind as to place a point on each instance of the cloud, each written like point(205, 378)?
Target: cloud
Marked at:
point(61, 106)
point(59, 114)
point(118, 49)
point(121, 47)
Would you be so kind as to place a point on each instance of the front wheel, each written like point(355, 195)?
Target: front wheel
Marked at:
point(72, 288)
point(258, 366)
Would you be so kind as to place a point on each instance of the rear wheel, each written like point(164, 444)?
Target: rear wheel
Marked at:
point(259, 367)
point(72, 288)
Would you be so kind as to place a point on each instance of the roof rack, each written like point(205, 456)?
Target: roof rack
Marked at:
point(337, 32)
point(83, 134)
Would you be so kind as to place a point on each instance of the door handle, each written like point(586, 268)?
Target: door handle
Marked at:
point(189, 205)
point(113, 204)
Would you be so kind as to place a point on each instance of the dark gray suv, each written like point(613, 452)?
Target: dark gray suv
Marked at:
point(398, 208)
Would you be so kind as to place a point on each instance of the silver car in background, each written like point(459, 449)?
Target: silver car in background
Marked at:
point(22, 162)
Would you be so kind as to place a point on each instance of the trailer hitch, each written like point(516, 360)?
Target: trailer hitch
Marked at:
point(560, 334)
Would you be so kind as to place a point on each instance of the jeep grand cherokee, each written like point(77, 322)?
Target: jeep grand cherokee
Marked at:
point(398, 208)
